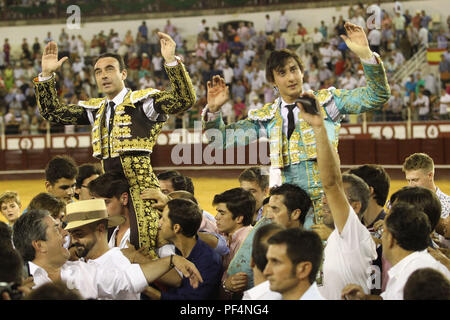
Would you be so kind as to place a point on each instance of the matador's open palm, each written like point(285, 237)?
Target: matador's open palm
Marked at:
point(50, 62)
point(218, 93)
point(356, 40)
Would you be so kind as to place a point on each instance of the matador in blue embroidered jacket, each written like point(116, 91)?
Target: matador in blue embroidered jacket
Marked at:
point(293, 159)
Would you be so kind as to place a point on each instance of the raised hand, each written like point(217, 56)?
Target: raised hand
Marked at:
point(315, 120)
point(155, 194)
point(218, 93)
point(50, 62)
point(188, 270)
point(356, 41)
point(167, 47)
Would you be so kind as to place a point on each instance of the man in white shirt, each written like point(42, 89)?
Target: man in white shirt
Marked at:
point(422, 103)
point(405, 239)
point(374, 38)
point(423, 37)
point(40, 241)
point(258, 262)
point(419, 172)
point(348, 82)
point(146, 82)
point(293, 261)
point(444, 106)
point(350, 249)
point(284, 22)
point(269, 25)
point(89, 238)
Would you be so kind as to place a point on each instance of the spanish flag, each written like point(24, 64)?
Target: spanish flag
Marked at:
point(434, 55)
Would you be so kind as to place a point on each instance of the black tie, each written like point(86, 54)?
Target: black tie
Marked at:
point(291, 121)
point(111, 116)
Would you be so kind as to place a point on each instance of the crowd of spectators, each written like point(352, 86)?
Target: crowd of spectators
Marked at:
point(238, 52)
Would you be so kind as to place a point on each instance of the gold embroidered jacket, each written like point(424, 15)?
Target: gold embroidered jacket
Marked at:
point(132, 130)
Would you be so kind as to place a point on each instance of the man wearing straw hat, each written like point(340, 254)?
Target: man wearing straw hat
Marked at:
point(40, 241)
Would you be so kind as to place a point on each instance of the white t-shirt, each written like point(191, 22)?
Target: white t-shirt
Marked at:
point(445, 104)
point(399, 273)
point(261, 292)
point(374, 37)
point(423, 104)
point(123, 241)
point(115, 258)
point(347, 258)
point(94, 281)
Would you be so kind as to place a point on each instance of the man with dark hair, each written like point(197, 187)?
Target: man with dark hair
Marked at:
point(406, 232)
point(419, 171)
point(235, 208)
point(13, 286)
point(427, 284)
point(86, 173)
point(39, 239)
point(261, 289)
point(46, 201)
point(378, 181)
point(114, 189)
point(54, 291)
point(288, 205)
point(294, 257)
point(60, 174)
point(349, 250)
point(422, 199)
point(292, 148)
point(256, 181)
point(172, 180)
point(5, 236)
point(125, 124)
point(179, 224)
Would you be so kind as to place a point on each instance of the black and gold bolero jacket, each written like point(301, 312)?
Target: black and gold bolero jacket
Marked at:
point(132, 130)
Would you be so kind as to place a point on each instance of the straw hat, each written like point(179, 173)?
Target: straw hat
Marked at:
point(84, 212)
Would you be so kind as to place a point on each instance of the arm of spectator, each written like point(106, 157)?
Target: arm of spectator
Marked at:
point(236, 282)
point(322, 230)
point(329, 169)
point(155, 194)
point(156, 268)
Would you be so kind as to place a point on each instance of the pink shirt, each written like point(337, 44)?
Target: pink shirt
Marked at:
point(234, 244)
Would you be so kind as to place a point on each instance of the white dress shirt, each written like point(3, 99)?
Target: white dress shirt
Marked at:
point(94, 281)
point(261, 292)
point(347, 258)
point(399, 273)
point(312, 293)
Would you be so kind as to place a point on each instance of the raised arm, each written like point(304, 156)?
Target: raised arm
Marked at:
point(377, 91)
point(329, 170)
point(239, 133)
point(181, 97)
point(48, 103)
